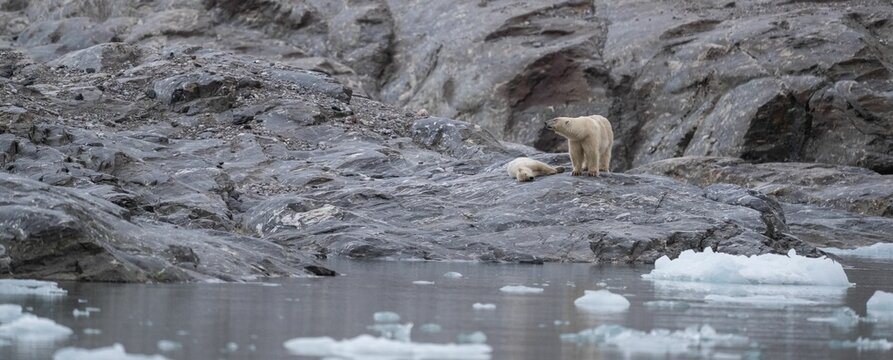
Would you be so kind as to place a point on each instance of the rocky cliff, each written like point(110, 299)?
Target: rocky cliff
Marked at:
point(186, 140)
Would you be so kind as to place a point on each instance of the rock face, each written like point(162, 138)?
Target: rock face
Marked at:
point(145, 147)
point(824, 204)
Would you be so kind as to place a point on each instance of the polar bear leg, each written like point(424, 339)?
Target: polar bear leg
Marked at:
point(591, 151)
point(606, 160)
point(575, 148)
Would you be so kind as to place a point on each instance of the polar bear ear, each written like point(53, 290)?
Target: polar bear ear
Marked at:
point(567, 122)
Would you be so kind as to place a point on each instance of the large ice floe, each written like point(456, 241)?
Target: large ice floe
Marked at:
point(370, 347)
point(602, 301)
point(771, 269)
point(18, 326)
point(114, 352)
point(30, 287)
point(880, 305)
point(693, 340)
point(876, 251)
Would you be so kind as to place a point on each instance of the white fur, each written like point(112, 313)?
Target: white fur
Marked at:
point(589, 142)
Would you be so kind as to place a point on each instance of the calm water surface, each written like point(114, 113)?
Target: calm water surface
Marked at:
point(251, 321)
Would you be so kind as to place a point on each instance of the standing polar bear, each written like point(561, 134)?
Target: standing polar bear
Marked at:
point(589, 142)
point(525, 169)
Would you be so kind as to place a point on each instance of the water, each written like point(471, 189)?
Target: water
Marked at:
point(251, 321)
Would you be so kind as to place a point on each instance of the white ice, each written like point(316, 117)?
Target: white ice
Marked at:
point(862, 344)
point(657, 342)
point(880, 305)
point(114, 352)
point(430, 328)
point(9, 312)
point(602, 301)
point(520, 289)
point(29, 327)
point(476, 337)
point(758, 300)
point(168, 345)
point(667, 305)
point(386, 316)
point(876, 251)
point(842, 317)
point(30, 287)
point(479, 306)
point(398, 332)
point(370, 347)
point(423, 282)
point(452, 275)
point(711, 267)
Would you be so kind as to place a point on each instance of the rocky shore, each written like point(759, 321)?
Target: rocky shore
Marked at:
point(225, 140)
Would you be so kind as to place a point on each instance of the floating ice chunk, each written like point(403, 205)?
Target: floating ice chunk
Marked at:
point(862, 344)
point(667, 305)
point(602, 301)
point(758, 300)
point(602, 284)
point(880, 305)
point(476, 337)
point(398, 332)
point(32, 328)
point(657, 342)
point(479, 306)
point(386, 316)
point(231, 347)
point(370, 347)
point(82, 301)
point(9, 312)
point(561, 322)
point(713, 267)
point(90, 331)
point(423, 282)
point(114, 352)
point(80, 313)
point(842, 317)
point(430, 328)
point(876, 251)
point(520, 289)
point(168, 345)
point(452, 275)
point(30, 287)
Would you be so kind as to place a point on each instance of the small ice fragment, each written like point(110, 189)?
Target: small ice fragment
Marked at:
point(168, 345)
point(452, 275)
point(710, 267)
point(430, 328)
point(270, 284)
point(758, 300)
point(29, 327)
point(231, 347)
point(91, 331)
point(876, 251)
point(9, 312)
point(842, 317)
point(398, 332)
point(602, 301)
point(82, 301)
point(80, 313)
point(30, 287)
point(880, 305)
point(364, 345)
point(92, 309)
point(479, 306)
point(658, 341)
point(667, 305)
point(252, 348)
point(561, 323)
point(423, 282)
point(520, 289)
point(602, 284)
point(114, 352)
point(386, 316)
point(476, 337)
point(862, 344)
point(182, 333)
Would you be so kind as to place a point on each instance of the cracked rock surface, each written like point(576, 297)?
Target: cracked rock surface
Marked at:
point(217, 139)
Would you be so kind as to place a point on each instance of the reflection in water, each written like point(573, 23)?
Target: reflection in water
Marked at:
point(253, 321)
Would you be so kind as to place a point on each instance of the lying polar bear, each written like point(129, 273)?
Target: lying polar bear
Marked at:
point(525, 169)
